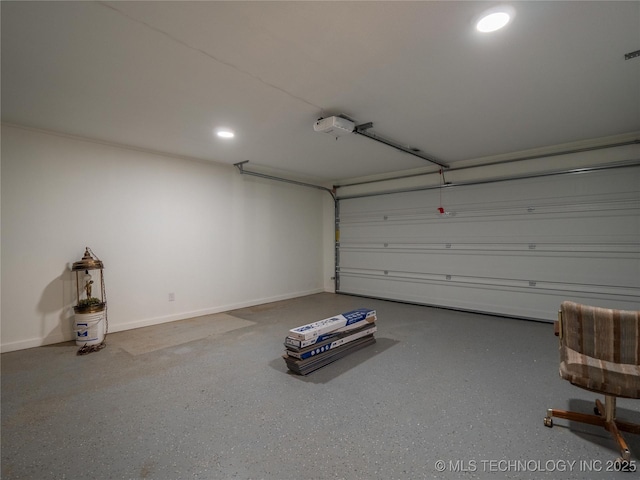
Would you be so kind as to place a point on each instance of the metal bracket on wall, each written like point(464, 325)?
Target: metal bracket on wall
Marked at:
point(630, 55)
point(240, 167)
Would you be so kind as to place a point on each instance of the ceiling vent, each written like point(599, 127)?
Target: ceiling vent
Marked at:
point(335, 126)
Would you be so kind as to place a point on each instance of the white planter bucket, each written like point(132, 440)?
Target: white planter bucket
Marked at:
point(89, 328)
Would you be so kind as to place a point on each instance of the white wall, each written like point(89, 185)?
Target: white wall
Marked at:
point(160, 224)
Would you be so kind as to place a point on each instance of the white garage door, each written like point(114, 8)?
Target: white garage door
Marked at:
point(516, 248)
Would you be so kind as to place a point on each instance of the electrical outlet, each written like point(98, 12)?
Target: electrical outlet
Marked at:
point(172, 297)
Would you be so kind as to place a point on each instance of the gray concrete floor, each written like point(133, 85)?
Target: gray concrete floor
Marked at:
point(469, 390)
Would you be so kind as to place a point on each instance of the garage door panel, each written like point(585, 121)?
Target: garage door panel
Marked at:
point(604, 270)
point(567, 236)
point(524, 302)
point(620, 226)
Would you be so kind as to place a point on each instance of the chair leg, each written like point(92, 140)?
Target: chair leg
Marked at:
point(628, 427)
point(574, 416)
point(624, 426)
point(605, 417)
point(611, 424)
point(622, 445)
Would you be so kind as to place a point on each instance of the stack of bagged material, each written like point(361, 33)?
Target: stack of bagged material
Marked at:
point(317, 344)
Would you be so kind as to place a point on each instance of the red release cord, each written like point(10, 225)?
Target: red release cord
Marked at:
point(440, 209)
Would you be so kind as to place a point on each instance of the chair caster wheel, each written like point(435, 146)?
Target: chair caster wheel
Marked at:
point(548, 422)
point(596, 411)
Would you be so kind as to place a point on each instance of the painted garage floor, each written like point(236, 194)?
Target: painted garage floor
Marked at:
point(441, 394)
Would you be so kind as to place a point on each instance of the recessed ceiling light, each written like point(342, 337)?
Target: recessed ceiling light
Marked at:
point(495, 19)
point(225, 133)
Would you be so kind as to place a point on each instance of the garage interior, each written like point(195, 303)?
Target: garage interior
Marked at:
point(476, 181)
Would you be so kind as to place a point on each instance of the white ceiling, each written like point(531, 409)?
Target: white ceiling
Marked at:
point(162, 75)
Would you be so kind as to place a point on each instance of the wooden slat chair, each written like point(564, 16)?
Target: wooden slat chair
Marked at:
point(600, 352)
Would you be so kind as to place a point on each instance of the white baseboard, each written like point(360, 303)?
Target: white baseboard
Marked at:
point(33, 342)
point(147, 322)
